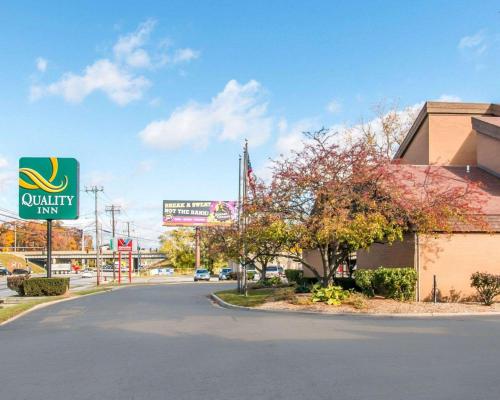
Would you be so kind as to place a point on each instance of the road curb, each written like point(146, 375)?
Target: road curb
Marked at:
point(50, 303)
point(225, 304)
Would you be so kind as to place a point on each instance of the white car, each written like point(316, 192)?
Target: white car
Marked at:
point(87, 274)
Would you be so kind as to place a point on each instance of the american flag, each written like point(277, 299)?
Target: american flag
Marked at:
point(250, 174)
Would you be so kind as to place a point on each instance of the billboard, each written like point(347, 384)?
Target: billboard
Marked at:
point(48, 188)
point(199, 213)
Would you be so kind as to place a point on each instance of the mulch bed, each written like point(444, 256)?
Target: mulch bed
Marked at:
point(381, 306)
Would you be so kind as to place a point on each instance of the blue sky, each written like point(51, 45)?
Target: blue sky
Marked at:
point(155, 98)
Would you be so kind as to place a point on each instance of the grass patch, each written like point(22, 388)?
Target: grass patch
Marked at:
point(10, 311)
point(11, 262)
point(254, 298)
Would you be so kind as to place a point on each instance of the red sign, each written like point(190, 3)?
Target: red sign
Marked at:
point(125, 245)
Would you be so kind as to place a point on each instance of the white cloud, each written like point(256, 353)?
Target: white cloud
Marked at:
point(3, 162)
point(98, 178)
point(185, 55)
point(449, 98)
point(116, 76)
point(129, 49)
point(292, 138)
point(119, 85)
point(334, 107)
point(475, 43)
point(41, 64)
point(239, 111)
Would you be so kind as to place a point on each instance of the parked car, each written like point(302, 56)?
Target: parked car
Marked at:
point(202, 275)
point(225, 274)
point(273, 270)
point(20, 271)
point(4, 271)
point(87, 273)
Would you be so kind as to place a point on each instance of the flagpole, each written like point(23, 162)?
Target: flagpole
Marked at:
point(238, 272)
point(245, 175)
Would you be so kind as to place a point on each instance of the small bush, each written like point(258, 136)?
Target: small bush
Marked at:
point(294, 275)
point(274, 281)
point(46, 286)
point(363, 279)
point(16, 283)
point(358, 301)
point(392, 283)
point(331, 295)
point(486, 285)
point(303, 288)
point(346, 283)
point(250, 275)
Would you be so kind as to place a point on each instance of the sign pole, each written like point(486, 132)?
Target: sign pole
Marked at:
point(129, 267)
point(119, 267)
point(197, 247)
point(49, 248)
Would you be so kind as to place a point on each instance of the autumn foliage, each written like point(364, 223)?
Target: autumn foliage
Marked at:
point(29, 235)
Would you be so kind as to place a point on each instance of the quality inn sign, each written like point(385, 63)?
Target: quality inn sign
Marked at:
point(48, 188)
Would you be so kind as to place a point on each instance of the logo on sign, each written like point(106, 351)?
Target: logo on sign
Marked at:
point(124, 244)
point(39, 182)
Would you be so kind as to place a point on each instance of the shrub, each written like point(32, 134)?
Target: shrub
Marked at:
point(363, 279)
point(392, 283)
point(303, 288)
point(16, 283)
point(274, 281)
point(294, 275)
point(46, 286)
point(346, 283)
point(358, 301)
point(486, 285)
point(331, 295)
point(250, 275)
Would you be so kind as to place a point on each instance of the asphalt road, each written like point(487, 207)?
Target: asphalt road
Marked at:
point(171, 342)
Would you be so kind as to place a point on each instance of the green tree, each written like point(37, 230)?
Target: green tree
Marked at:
point(179, 246)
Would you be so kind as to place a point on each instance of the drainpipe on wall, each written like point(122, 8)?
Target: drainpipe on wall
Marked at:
point(417, 264)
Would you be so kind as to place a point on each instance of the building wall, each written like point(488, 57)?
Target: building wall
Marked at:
point(488, 153)
point(453, 259)
point(398, 254)
point(452, 141)
point(418, 150)
point(313, 258)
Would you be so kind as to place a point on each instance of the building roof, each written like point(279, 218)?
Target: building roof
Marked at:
point(489, 126)
point(433, 107)
point(447, 177)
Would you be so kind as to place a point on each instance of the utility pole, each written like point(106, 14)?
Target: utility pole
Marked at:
point(113, 209)
point(15, 236)
point(95, 190)
point(128, 229)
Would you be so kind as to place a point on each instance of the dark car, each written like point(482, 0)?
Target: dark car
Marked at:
point(4, 271)
point(20, 271)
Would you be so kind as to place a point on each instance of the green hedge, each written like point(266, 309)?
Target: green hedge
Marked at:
point(294, 275)
point(16, 283)
point(46, 286)
point(392, 283)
